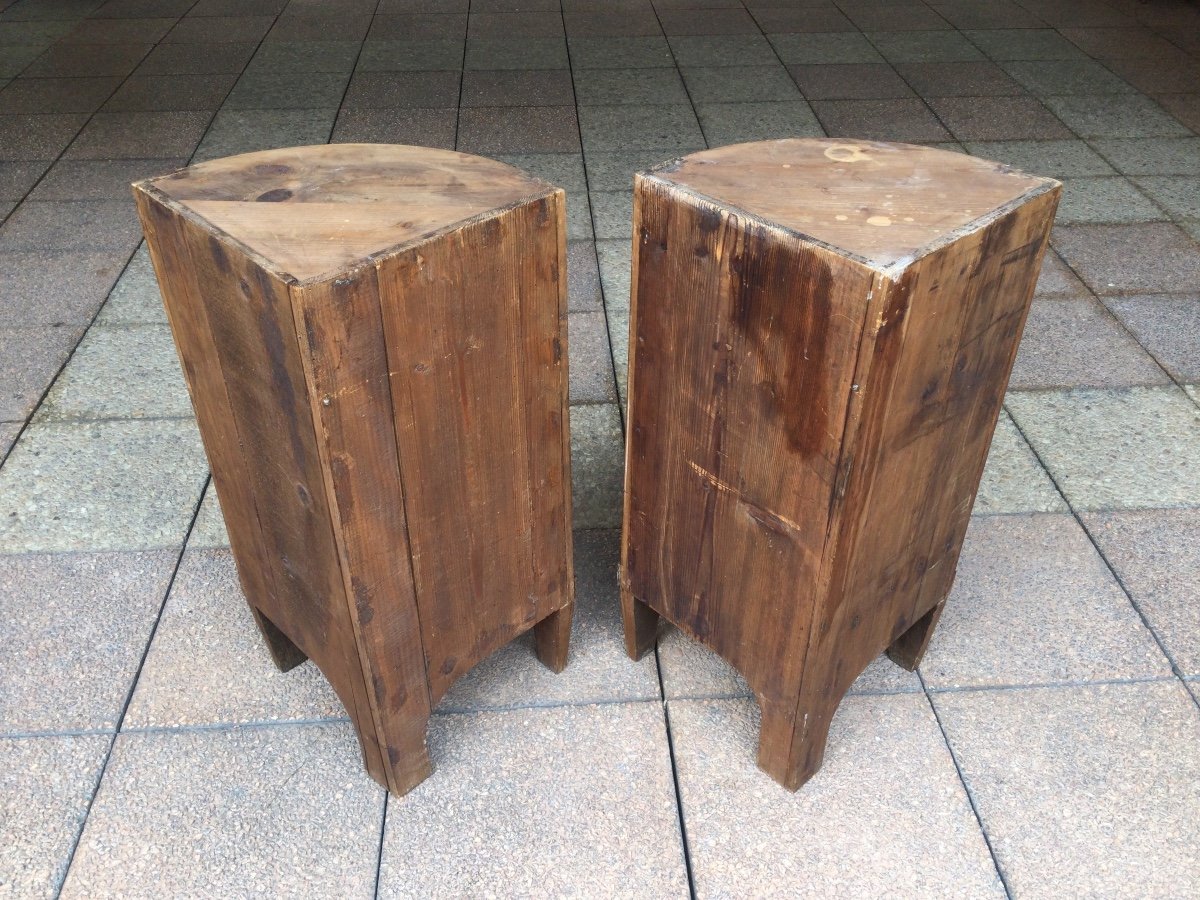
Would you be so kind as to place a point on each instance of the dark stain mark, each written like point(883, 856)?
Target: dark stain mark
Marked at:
point(304, 495)
point(268, 169)
point(275, 196)
point(362, 601)
point(394, 755)
point(277, 358)
point(448, 665)
point(557, 344)
point(219, 256)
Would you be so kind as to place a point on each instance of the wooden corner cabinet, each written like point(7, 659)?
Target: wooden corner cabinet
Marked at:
point(375, 342)
point(821, 336)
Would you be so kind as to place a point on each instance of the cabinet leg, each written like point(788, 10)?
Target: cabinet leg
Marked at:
point(791, 745)
point(286, 654)
point(552, 638)
point(908, 650)
point(641, 625)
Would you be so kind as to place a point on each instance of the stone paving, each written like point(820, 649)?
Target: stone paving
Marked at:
point(1049, 746)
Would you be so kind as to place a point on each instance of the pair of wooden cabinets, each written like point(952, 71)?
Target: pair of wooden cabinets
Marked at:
point(375, 342)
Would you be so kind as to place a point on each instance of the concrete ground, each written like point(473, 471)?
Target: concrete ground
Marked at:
point(1049, 746)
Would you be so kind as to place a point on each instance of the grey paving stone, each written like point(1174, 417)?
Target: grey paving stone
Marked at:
point(1077, 343)
point(56, 95)
point(591, 359)
point(8, 434)
point(1023, 44)
point(1128, 42)
point(18, 176)
point(304, 56)
point(1033, 603)
point(208, 664)
point(1056, 159)
point(1153, 156)
point(1156, 554)
point(888, 783)
point(288, 90)
point(244, 130)
point(601, 87)
point(30, 357)
point(669, 128)
point(1013, 479)
point(849, 81)
point(196, 59)
point(598, 669)
point(1135, 448)
point(612, 214)
point(515, 129)
point(74, 631)
point(1179, 195)
point(517, 53)
point(722, 21)
point(119, 485)
point(219, 29)
point(1084, 791)
point(975, 78)
point(725, 50)
point(411, 55)
point(615, 273)
point(72, 225)
point(424, 127)
point(135, 298)
point(126, 135)
point(411, 25)
point(49, 287)
point(1066, 76)
point(1057, 280)
point(579, 218)
point(1166, 325)
point(28, 137)
point(100, 179)
point(502, 781)
point(613, 170)
point(208, 531)
point(46, 784)
point(80, 60)
point(618, 338)
point(120, 372)
point(923, 46)
point(17, 57)
point(621, 52)
point(998, 118)
point(347, 24)
point(1184, 107)
point(1130, 259)
point(597, 465)
point(803, 19)
point(517, 87)
point(1132, 116)
point(562, 169)
point(584, 294)
point(731, 123)
point(740, 84)
point(232, 812)
point(837, 48)
point(906, 120)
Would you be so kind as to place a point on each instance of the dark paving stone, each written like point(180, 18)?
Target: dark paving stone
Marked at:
point(42, 287)
point(128, 135)
point(1058, 159)
point(411, 56)
point(1119, 116)
point(412, 27)
point(514, 25)
point(72, 225)
point(1158, 76)
point(18, 176)
point(998, 118)
point(56, 95)
point(29, 360)
point(591, 368)
point(320, 28)
point(288, 90)
point(622, 53)
point(196, 59)
point(1024, 43)
point(959, 79)
point(1108, 200)
point(987, 14)
point(37, 137)
point(16, 58)
point(801, 20)
point(160, 93)
point(850, 81)
point(816, 49)
point(305, 56)
point(1066, 76)
point(1153, 156)
point(1131, 259)
point(118, 31)
point(542, 129)
point(885, 120)
point(881, 17)
point(396, 90)
point(141, 9)
point(730, 84)
point(427, 127)
point(629, 23)
point(517, 87)
point(219, 29)
point(663, 127)
point(924, 46)
point(707, 21)
point(95, 60)
point(735, 50)
point(516, 53)
point(1166, 325)
point(238, 7)
point(243, 130)
point(100, 179)
point(603, 87)
point(732, 123)
point(1184, 107)
point(1122, 43)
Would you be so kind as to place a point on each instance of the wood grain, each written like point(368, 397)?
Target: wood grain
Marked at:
point(375, 342)
point(809, 422)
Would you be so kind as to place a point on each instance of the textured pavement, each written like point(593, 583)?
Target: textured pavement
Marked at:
point(1049, 746)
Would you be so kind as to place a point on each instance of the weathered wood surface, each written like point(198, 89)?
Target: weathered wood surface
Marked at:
point(374, 338)
point(821, 336)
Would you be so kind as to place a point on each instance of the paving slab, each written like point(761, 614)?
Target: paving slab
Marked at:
point(1055, 159)
point(1168, 326)
point(30, 357)
point(46, 784)
point(1013, 479)
point(1135, 448)
point(887, 798)
point(570, 801)
point(116, 485)
point(1084, 791)
point(591, 359)
point(75, 629)
point(135, 298)
point(597, 465)
point(284, 810)
point(1130, 259)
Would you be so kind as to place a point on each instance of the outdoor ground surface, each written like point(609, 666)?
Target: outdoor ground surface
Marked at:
point(1049, 747)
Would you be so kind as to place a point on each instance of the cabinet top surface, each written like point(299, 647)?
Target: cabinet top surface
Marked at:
point(882, 203)
point(316, 211)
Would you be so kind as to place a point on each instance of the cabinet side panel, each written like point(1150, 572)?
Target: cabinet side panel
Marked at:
point(253, 340)
point(341, 341)
point(941, 350)
point(743, 352)
point(478, 364)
